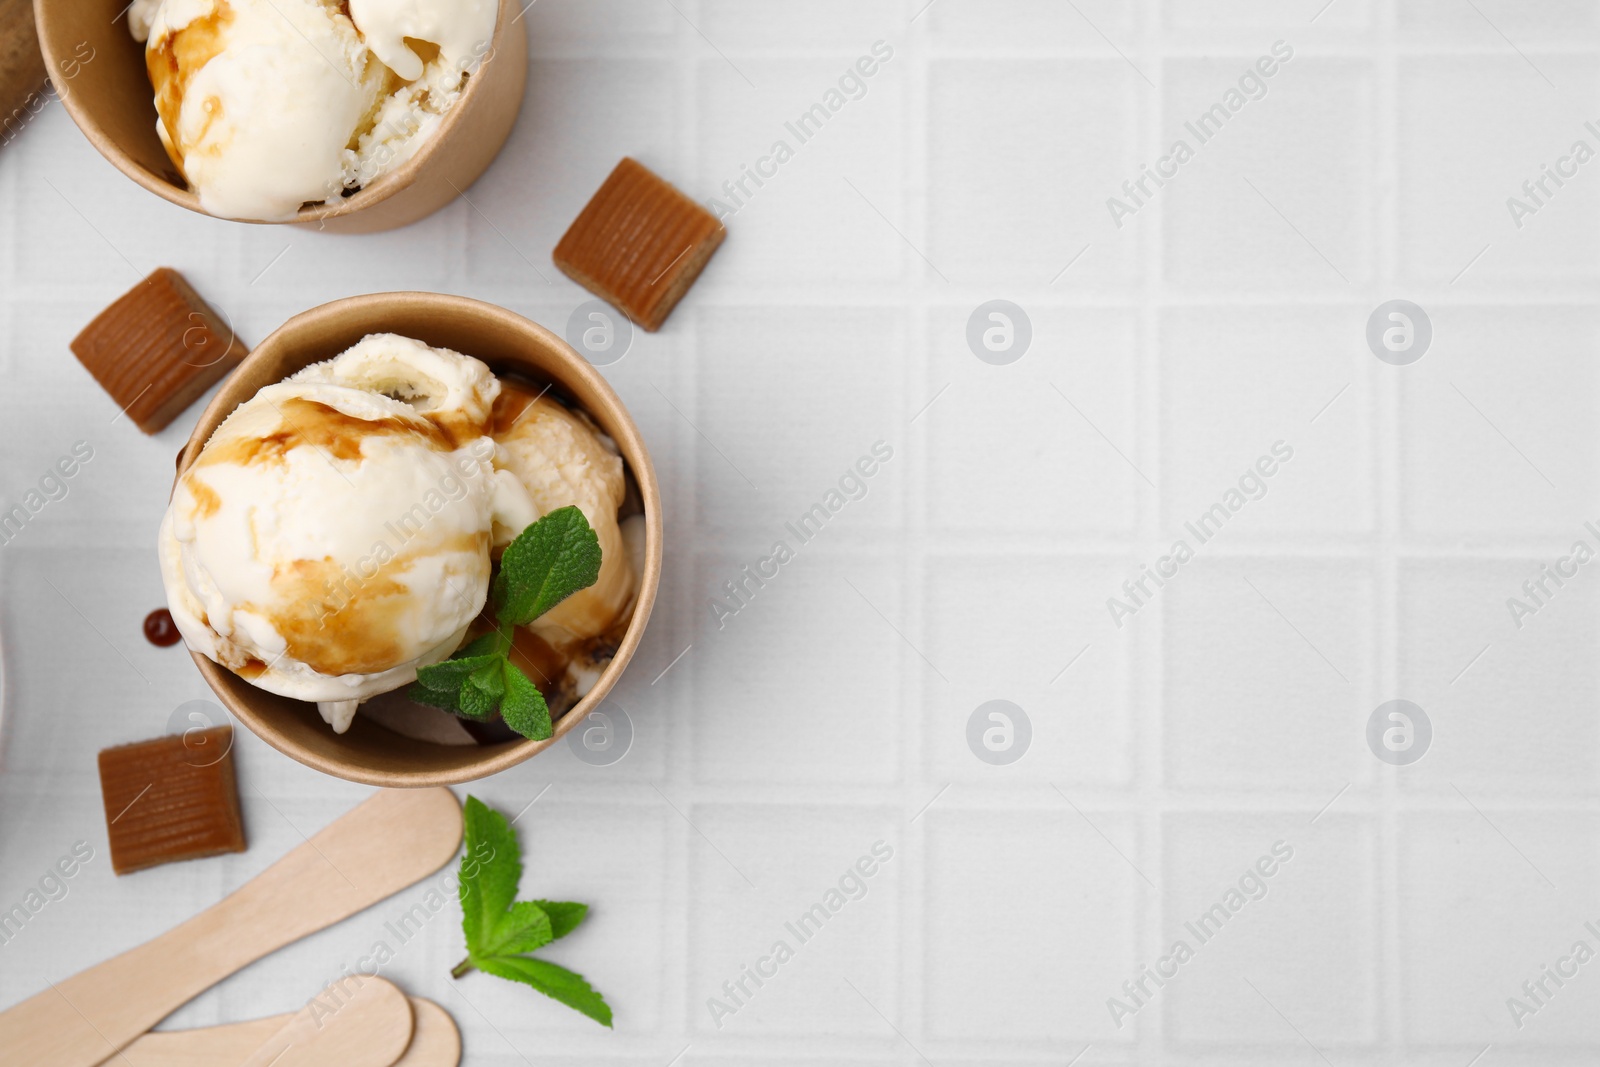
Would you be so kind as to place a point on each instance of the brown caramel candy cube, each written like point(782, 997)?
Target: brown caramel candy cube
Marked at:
point(639, 244)
point(157, 349)
point(174, 798)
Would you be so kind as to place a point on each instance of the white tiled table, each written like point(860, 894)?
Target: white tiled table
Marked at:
point(831, 712)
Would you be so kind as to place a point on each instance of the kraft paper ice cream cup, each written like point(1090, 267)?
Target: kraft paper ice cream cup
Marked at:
point(98, 70)
point(508, 343)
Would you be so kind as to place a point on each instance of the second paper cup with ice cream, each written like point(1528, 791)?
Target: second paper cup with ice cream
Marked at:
point(342, 507)
point(350, 116)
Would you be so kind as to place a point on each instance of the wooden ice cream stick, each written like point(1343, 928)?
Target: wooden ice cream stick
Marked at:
point(435, 1042)
point(394, 839)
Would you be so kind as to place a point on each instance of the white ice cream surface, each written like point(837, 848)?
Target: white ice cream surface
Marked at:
point(274, 104)
point(462, 31)
point(332, 575)
point(453, 391)
point(334, 534)
point(263, 126)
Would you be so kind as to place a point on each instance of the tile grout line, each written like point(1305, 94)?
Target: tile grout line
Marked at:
point(1144, 666)
point(911, 989)
point(685, 383)
point(1386, 924)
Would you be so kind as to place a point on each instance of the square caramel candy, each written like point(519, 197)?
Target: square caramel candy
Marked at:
point(157, 349)
point(174, 798)
point(639, 244)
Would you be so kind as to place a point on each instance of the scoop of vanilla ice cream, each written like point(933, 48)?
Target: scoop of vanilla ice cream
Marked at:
point(563, 460)
point(267, 105)
point(260, 100)
point(334, 534)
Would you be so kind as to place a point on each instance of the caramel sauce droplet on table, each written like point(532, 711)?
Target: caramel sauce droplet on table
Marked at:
point(160, 630)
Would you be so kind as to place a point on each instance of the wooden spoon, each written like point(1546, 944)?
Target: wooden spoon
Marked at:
point(365, 1025)
point(394, 839)
point(369, 1026)
point(435, 1042)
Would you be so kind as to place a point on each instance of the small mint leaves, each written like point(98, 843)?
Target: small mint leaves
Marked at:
point(500, 930)
point(548, 562)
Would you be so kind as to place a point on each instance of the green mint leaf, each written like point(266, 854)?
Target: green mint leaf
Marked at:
point(430, 677)
point(475, 703)
point(490, 677)
point(548, 562)
point(490, 871)
point(523, 928)
point(523, 707)
point(449, 675)
point(485, 645)
point(434, 698)
point(553, 981)
point(564, 916)
point(475, 686)
point(442, 685)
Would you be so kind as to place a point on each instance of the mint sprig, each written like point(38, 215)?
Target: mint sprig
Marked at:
point(500, 930)
point(548, 562)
